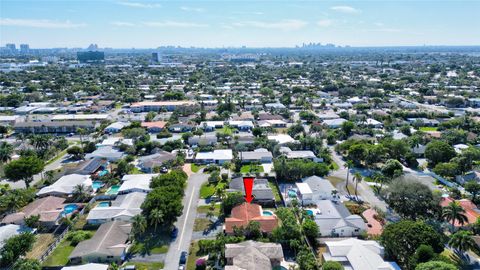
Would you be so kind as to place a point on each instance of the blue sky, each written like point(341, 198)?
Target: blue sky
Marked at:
point(149, 24)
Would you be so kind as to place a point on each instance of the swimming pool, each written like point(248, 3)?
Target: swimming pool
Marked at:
point(69, 208)
point(102, 173)
point(97, 184)
point(309, 212)
point(103, 204)
point(267, 213)
point(113, 190)
point(292, 193)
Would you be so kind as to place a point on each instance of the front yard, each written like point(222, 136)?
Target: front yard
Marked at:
point(251, 169)
point(207, 190)
point(147, 266)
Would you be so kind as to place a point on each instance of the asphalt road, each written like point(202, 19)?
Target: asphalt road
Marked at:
point(185, 221)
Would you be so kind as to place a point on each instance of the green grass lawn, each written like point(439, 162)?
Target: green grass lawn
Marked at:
point(60, 255)
point(147, 266)
point(251, 169)
point(135, 170)
point(196, 168)
point(201, 224)
point(206, 190)
point(275, 190)
point(334, 166)
point(203, 209)
point(159, 250)
point(428, 129)
point(193, 256)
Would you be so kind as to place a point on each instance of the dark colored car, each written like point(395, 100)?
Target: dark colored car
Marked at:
point(174, 232)
point(183, 258)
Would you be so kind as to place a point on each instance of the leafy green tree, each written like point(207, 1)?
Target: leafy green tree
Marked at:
point(156, 217)
point(311, 230)
point(76, 152)
point(76, 237)
point(306, 260)
point(446, 169)
point(6, 152)
point(412, 199)
point(438, 151)
point(27, 264)
point(139, 224)
point(332, 265)
point(347, 127)
point(454, 212)
point(24, 169)
point(436, 265)
point(474, 188)
point(462, 241)
point(392, 168)
point(15, 247)
point(424, 253)
point(231, 200)
point(32, 221)
point(403, 238)
point(80, 193)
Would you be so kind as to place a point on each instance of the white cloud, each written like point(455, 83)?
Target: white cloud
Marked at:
point(285, 25)
point(39, 23)
point(345, 9)
point(122, 24)
point(325, 23)
point(139, 5)
point(176, 24)
point(194, 9)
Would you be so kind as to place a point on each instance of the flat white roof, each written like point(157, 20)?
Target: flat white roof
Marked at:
point(303, 188)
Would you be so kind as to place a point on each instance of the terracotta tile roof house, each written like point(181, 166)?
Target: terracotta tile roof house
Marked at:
point(246, 212)
point(49, 208)
point(253, 255)
point(154, 126)
point(471, 210)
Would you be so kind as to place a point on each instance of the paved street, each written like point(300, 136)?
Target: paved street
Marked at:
point(364, 190)
point(185, 221)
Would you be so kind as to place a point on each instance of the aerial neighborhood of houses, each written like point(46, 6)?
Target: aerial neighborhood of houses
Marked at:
point(361, 159)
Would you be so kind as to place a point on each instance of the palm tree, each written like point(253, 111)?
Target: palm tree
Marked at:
point(156, 217)
point(81, 132)
point(348, 165)
point(358, 178)
point(80, 192)
point(462, 241)
point(454, 212)
point(139, 224)
point(6, 152)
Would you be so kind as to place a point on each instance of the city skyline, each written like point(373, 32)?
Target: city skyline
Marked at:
point(150, 24)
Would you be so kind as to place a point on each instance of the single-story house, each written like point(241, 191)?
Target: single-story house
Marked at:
point(260, 155)
point(207, 139)
point(65, 186)
point(242, 214)
point(281, 138)
point(49, 209)
point(123, 208)
point(469, 176)
point(136, 183)
point(107, 152)
point(334, 123)
point(272, 123)
point(88, 266)
point(253, 255)
point(154, 127)
point(262, 192)
point(116, 127)
point(216, 156)
point(321, 189)
point(334, 220)
point(299, 154)
point(109, 244)
point(242, 125)
point(148, 163)
point(180, 127)
point(358, 254)
point(211, 125)
point(91, 166)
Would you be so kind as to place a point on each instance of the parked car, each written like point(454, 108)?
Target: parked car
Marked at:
point(183, 258)
point(174, 232)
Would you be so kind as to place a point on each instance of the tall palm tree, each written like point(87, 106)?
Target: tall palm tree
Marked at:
point(454, 212)
point(358, 178)
point(156, 217)
point(462, 241)
point(6, 152)
point(139, 224)
point(348, 165)
point(80, 192)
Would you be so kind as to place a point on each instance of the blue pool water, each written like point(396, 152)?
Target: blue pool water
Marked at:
point(97, 184)
point(69, 208)
point(113, 190)
point(267, 213)
point(104, 204)
point(309, 212)
point(102, 173)
point(292, 193)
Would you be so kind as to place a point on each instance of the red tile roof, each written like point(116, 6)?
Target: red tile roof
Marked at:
point(157, 124)
point(471, 210)
point(246, 212)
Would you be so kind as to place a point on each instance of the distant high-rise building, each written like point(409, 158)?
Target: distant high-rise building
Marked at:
point(24, 48)
point(93, 47)
point(11, 47)
point(156, 57)
point(91, 57)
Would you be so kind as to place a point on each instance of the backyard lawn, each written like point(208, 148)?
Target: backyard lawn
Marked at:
point(207, 190)
point(147, 266)
point(60, 255)
point(275, 190)
point(193, 256)
point(428, 129)
point(251, 169)
point(43, 240)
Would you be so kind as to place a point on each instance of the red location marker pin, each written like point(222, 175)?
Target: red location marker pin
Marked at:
point(248, 185)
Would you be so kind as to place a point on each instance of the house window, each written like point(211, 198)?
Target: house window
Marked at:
point(356, 230)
